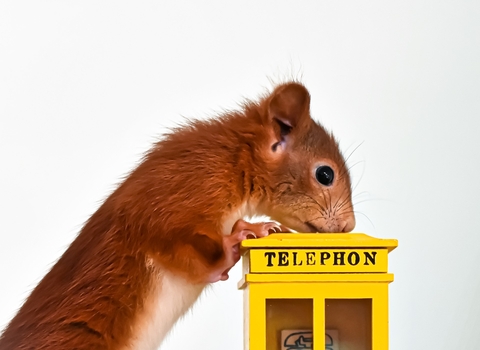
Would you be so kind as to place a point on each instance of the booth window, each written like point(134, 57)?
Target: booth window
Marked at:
point(287, 316)
point(352, 321)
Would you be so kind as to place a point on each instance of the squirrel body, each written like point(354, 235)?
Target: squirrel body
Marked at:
point(175, 223)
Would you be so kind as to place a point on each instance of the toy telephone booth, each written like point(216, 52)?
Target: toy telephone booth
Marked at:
point(316, 291)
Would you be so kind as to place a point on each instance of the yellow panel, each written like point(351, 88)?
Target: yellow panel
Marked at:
point(325, 278)
point(318, 260)
point(320, 240)
point(340, 290)
point(318, 323)
point(380, 318)
point(257, 317)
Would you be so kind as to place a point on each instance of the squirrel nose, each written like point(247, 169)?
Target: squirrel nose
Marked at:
point(348, 224)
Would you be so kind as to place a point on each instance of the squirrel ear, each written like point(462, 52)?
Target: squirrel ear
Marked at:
point(289, 106)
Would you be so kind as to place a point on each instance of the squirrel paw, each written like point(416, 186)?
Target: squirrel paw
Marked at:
point(231, 244)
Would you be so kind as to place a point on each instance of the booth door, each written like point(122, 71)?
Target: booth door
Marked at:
point(290, 324)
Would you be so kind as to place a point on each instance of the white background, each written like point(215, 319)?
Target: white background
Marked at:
point(86, 87)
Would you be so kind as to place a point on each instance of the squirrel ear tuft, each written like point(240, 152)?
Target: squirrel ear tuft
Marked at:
point(289, 106)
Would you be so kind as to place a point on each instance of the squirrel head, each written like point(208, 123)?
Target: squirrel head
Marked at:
point(309, 186)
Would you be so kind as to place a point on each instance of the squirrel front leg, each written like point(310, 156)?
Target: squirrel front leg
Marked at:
point(205, 255)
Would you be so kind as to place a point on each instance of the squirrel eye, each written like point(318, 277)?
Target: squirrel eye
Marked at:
point(324, 174)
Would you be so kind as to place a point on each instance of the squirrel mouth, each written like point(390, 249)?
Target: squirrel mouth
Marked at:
point(312, 228)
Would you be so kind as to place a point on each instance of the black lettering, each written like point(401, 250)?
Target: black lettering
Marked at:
point(282, 258)
point(353, 258)
point(324, 256)
point(269, 256)
point(310, 258)
point(339, 258)
point(295, 260)
point(370, 257)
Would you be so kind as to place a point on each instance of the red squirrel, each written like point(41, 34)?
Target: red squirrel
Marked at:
point(175, 224)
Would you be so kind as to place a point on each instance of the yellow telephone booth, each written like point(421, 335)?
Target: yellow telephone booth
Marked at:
point(316, 291)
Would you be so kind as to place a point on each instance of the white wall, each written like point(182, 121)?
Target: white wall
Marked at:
point(86, 87)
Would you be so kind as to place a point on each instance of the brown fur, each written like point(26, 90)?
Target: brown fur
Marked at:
point(170, 210)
